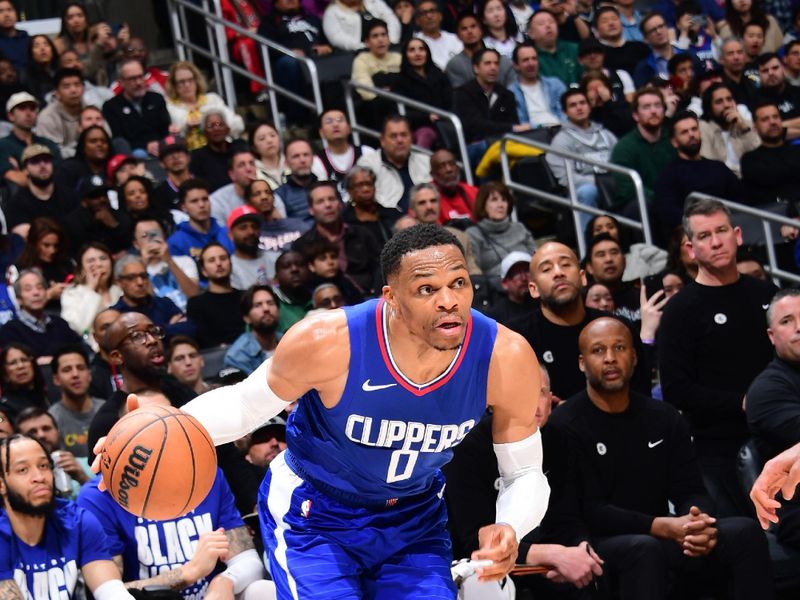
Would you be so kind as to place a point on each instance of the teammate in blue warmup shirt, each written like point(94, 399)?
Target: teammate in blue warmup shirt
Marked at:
point(180, 553)
point(45, 541)
point(353, 508)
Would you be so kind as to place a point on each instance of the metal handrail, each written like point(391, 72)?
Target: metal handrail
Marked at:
point(572, 203)
point(766, 217)
point(403, 102)
point(221, 59)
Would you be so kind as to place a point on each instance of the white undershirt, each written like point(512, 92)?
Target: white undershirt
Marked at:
point(538, 108)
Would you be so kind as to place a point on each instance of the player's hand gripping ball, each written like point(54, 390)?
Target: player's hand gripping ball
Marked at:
point(158, 462)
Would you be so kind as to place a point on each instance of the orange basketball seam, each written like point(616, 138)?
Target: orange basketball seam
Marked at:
point(155, 467)
point(194, 470)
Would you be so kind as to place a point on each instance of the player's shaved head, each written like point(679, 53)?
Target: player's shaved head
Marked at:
point(601, 328)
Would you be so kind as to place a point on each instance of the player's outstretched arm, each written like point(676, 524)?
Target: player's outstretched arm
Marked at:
point(781, 473)
point(10, 591)
point(513, 392)
point(312, 355)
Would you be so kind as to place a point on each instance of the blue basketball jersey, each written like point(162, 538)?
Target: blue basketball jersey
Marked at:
point(149, 548)
point(72, 538)
point(388, 437)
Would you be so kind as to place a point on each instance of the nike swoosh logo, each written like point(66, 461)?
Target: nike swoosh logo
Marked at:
point(765, 306)
point(374, 388)
point(654, 444)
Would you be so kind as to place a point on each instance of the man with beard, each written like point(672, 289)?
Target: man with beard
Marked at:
point(241, 172)
point(628, 457)
point(265, 443)
point(41, 425)
point(131, 275)
point(774, 87)
point(44, 540)
point(646, 149)
point(40, 198)
point(261, 312)
point(294, 193)
point(277, 232)
point(358, 249)
point(456, 198)
point(292, 294)
point(216, 311)
point(74, 411)
point(770, 171)
point(724, 132)
point(553, 324)
point(22, 110)
point(514, 279)
point(689, 172)
point(250, 264)
point(135, 347)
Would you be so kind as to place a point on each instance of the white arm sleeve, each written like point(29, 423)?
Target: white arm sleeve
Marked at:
point(113, 589)
point(231, 412)
point(243, 569)
point(523, 497)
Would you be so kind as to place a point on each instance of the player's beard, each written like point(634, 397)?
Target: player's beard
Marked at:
point(448, 348)
point(19, 504)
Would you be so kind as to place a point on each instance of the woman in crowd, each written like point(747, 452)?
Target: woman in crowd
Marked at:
point(92, 153)
point(423, 81)
point(496, 235)
point(42, 65)
point(74, 33)
point(501, 29)
point(21, 380)
point(134, 198)
point(738, 13)
point(678, 259)
point(45, 250)
point(91, 290)
point(599, 296)
point(186, 95)
point(343, 22)
point(265, 143)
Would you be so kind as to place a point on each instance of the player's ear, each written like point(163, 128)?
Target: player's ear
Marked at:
point(388, 295)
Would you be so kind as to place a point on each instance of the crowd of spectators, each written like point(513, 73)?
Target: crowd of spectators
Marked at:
point(156, 240)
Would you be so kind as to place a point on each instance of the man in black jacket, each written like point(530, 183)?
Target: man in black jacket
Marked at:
point(629, 457)
point(773, 399)
point(486, 108)
point(139, 116)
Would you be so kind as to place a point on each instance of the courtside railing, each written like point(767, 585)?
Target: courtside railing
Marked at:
point(571, 201)
point(224, 68)
point(767, 218)
point(402, 104)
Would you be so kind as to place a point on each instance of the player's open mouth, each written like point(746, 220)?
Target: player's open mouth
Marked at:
point(449, 327)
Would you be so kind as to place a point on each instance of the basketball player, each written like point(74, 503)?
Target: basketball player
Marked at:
point(353, 508)
point(44, 541)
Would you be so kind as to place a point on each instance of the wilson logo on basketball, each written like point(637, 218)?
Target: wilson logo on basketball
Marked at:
point(137, 461)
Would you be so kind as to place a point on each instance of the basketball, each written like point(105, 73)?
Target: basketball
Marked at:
point(158, 462)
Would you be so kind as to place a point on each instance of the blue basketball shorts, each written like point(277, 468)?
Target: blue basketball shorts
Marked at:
point(321, 548)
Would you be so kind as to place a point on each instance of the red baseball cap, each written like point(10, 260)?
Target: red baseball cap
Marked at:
point(116, 162)
point(243, 212)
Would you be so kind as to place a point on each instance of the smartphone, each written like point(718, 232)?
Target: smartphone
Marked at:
point(115, 28)
point(700, 21)
point(652, 284)
point(152, 235)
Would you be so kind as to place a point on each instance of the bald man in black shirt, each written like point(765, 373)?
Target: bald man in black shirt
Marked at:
point(629, 457)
